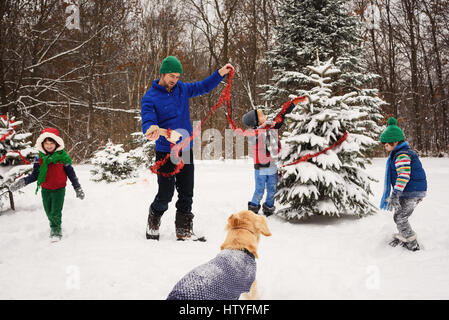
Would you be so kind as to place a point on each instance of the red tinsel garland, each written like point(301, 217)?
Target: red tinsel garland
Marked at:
point(313, 155)
point(3, 137)
point(24, 160)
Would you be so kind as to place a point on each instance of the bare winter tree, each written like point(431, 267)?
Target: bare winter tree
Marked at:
point(409, 45)
point(53, 75)
point(239, 32)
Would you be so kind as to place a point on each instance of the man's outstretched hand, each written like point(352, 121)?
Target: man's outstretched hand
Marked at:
point(226, 69)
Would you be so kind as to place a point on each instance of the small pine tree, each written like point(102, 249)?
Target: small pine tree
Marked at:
point(144, 153)
point(112, 164)
point(8, 177)
point(14, 147)
point(333, 183)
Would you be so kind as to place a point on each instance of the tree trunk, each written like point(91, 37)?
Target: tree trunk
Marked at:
point(410, 6)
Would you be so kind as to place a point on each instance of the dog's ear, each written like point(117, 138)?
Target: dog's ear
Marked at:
point(232, 221)
point(262, 226)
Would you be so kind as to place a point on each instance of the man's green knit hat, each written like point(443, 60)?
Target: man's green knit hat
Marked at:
point(392, 133)
point(170, 65)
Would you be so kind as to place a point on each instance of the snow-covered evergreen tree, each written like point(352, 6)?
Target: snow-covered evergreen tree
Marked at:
point(7, 176)
point(145, 152)
point(14, 147)
point(16, 156)
point(307, 27)
point(333, 183)
point(112, 164)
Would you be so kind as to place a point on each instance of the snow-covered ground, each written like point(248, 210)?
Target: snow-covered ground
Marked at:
point(104, 253)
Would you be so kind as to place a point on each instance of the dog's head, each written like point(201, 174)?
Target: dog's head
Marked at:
point(244, 230)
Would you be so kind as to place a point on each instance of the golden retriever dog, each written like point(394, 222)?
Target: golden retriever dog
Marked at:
point(233, 271)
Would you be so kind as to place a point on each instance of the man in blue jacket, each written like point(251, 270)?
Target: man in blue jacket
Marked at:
point(166, 105)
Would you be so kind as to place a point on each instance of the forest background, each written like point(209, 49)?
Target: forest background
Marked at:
point(83, 66)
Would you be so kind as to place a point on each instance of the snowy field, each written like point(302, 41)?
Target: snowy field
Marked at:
point(104, 253)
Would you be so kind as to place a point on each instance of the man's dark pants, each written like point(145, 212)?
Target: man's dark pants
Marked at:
point(183, 181)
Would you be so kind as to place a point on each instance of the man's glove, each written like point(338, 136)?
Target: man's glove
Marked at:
point(79, 193)
point(16, 185)
point(393, 201)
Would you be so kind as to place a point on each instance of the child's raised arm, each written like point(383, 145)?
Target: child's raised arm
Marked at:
point(280, 124)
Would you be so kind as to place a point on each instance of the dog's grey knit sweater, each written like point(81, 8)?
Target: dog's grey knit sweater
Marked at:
point(229, 274)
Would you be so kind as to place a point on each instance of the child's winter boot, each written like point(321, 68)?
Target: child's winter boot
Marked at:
point(411, 243)
point(154, 222)
point(55, 234)
point(412, 246)
point(394, 242)
point(267, 210)
point(253, 208)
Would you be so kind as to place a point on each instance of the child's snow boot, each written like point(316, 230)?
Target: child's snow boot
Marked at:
point(411, 243)
point(394, 242)
point(253, 208)
point(55, 234)
point(154, 222)
point(267, 210)
point(412, 246)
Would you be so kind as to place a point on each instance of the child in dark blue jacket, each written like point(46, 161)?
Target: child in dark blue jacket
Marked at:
point(404, 172)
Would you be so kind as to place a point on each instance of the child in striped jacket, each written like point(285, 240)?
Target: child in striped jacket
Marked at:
point(404, 172)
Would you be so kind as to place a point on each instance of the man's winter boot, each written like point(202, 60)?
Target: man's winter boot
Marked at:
point(154, 223)
point(184, 225)
point(267, 210)
point(253, 208)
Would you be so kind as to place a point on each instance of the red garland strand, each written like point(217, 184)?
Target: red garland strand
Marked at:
point(24, 160)
point(3, 137)
point(313, 155)
point(168, 133)
point(225, 98)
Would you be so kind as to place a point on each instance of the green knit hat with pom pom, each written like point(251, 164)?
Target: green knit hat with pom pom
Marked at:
point(392, 133)
point(170, 65)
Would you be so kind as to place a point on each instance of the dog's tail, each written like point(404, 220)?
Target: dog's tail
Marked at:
point(252, 294)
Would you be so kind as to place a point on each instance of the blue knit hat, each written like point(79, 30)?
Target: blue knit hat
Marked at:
point(250, 119)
